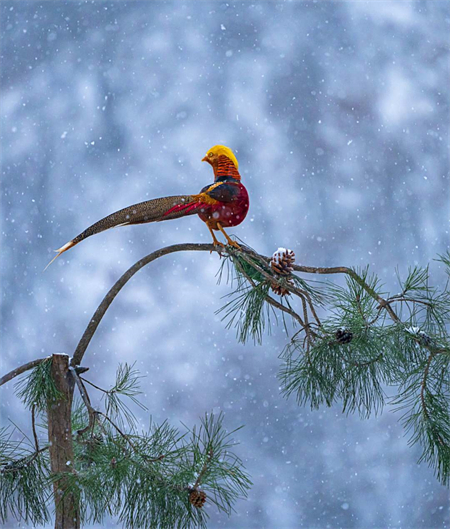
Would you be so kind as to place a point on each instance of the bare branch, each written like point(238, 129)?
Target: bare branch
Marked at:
point(109, 298)
point(33, 427)
point(196, 247)
point(19, 370)
point(84, 395)
point(93, 385)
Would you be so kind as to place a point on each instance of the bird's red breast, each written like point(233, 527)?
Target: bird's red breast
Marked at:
point(230, 212)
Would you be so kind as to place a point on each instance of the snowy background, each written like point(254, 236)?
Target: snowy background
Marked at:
point(338, 113)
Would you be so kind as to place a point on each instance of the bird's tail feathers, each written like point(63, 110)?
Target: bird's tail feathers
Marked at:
point(155, 210)
point(61, 250)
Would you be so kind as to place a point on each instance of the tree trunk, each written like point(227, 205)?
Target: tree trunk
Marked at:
point(61, 448)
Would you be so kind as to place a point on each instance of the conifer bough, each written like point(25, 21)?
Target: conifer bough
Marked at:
point(347, 344)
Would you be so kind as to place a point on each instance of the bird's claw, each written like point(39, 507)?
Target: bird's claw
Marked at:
point(234, 244)
point(218, 247)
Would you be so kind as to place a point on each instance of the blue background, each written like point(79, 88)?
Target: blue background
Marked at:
point(338, 113)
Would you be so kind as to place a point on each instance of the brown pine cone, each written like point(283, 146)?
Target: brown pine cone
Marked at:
point(197, 498)
point(281, 263)
point(281, 291)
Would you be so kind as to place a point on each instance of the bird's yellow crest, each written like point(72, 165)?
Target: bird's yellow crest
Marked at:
point(221, 149)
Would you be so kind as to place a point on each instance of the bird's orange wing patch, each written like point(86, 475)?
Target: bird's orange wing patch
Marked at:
point(205, 198)
point(198, 201)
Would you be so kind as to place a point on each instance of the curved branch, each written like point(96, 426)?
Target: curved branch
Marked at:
point(200, 247)
point(353, 275)
point(109, 298)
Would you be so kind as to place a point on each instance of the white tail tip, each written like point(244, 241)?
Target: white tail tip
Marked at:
point(59, 251)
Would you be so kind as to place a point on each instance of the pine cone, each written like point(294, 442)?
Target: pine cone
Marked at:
point(281, 291)
point(197, 498)
point(343, 336)
point(281, 263)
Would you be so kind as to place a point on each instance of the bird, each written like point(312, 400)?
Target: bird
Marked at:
point(222, 204)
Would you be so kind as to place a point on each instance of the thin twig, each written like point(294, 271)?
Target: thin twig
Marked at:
point(14, 466)
point(394, 299)
point(87, 402)
point(203, 470)
point(94, 413)
point(307, 328)
point(33, 427)
point(311, 306)
point(119, 431)
point(93, 385)
point(281, 307)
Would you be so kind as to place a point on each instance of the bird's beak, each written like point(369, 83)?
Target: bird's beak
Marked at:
point(205, 159)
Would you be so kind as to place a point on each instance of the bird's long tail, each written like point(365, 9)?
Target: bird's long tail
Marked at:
point(159, 209)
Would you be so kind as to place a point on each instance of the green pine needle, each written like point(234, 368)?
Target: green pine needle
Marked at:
point(38, 387)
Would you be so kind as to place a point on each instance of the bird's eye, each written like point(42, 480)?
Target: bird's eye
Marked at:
point(210, 154)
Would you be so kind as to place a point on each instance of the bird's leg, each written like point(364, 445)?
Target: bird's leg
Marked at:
point(230, 241)
point(215, 241)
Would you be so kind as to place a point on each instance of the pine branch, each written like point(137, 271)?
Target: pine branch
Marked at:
point(245, 251)
point(19, 370)
point(24, 489)
point(157, 482)
point(38, 387)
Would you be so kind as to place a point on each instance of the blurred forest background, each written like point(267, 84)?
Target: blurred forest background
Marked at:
point(339, 115)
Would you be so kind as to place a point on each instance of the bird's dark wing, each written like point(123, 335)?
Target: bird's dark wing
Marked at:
point(222, 191)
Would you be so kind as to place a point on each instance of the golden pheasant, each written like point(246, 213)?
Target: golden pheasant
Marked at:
point(220, 205)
